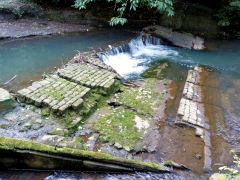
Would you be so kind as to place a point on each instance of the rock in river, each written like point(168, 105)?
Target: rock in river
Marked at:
point(6, 100)
point(180, 39)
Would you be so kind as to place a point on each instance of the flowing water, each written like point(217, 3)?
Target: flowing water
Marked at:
point(178, 144)
point(222, 57)
point(29, 58)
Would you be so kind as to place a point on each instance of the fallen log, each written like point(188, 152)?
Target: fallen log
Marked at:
point(21, 154)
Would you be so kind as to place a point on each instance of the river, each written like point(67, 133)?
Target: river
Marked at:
point(31, 57)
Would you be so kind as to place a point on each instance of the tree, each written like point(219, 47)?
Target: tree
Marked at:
point(229, 15)
point(122, 5)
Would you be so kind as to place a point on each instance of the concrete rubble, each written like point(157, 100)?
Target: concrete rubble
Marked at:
point(68, 89)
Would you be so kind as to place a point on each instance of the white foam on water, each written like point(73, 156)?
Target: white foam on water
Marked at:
point(124, 64)
point(134, 61)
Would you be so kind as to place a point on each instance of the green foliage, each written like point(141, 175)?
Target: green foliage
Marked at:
point(230, 14)
point(30, 3)
point(121, 6)
point(19, 12)
point(117, 20)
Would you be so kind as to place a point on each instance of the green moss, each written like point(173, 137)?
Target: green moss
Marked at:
point(190, 35)
point(15, 144)
point(45, 112)
point(91, 102)
point(54, 94)
point(80, 141)
point(118, 127)
point(217, 176)
point(143, 100)
point(169, 162)
point(61, 132)
point(4, 126)
point(156, 70)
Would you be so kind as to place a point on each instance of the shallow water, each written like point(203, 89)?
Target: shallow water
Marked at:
point(29, 58)
point(223, 57)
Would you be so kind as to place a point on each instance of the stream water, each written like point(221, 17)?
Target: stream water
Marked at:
point(34, 56)
point(30, 58)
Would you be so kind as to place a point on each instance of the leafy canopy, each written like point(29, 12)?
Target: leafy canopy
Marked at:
point(230, 14)
point(121, 6)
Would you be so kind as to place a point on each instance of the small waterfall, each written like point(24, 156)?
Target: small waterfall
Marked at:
point(131, 59)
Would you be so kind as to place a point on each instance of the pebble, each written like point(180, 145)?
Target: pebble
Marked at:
point(198, 156)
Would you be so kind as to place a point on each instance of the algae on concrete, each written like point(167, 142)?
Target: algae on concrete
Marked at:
point(144, 99)
point(14, 145)
point(119, 128)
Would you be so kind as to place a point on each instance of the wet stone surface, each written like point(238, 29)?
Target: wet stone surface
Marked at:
point(88, 75)
point(6, 100)
point(192, 92)
point(26, 123)
point(91, 58)
point(57, 93)
point(192, 112)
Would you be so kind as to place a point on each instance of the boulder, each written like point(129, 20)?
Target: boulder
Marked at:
point(180, 39)
point(6, 101)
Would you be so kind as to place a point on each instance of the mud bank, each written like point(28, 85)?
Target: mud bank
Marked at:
point(26, 27)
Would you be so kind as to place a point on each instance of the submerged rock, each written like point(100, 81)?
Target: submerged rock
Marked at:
point(184, 40)
point(6, 101)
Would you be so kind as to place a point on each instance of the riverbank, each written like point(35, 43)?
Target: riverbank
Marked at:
point(26, 27)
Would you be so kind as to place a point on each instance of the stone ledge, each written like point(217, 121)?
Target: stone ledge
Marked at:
point(56, 93)
point(88, 75)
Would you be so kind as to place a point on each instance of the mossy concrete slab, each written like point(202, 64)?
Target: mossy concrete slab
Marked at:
point(19, 149)
point(88, 75)
point(56, 93)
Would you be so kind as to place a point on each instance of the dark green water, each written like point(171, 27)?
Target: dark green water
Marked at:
point(29, 58)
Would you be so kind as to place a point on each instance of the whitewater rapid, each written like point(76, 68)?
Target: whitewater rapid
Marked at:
point(133, 58)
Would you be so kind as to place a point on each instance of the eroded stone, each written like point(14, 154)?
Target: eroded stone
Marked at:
point(88, 75)
point(53, 92)
point(6, 101)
